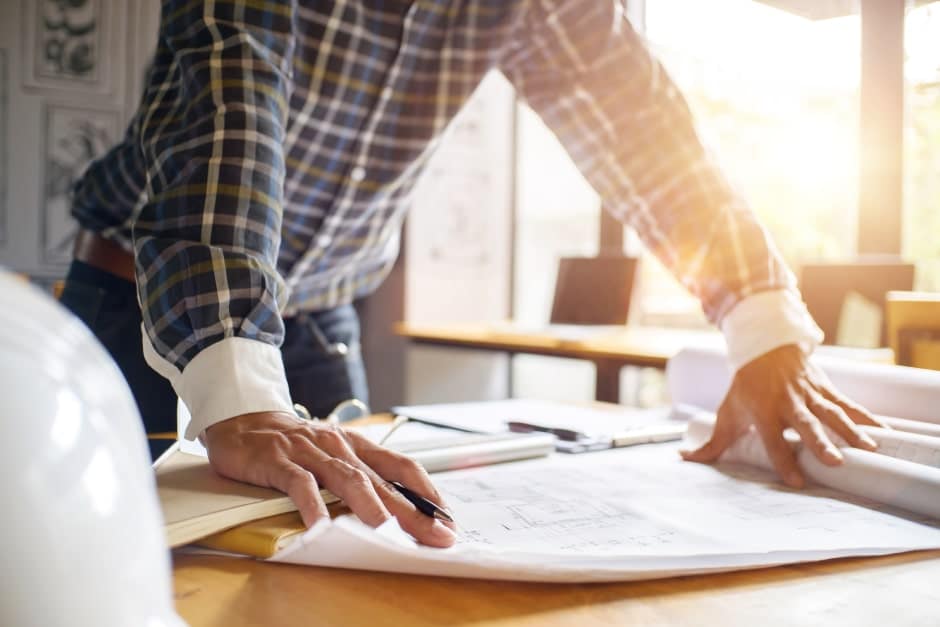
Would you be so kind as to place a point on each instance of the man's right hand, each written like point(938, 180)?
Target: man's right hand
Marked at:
point(276, 450)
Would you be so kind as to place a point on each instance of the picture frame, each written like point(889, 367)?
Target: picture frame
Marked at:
point(4, 141)
point(73, 137)
point(68, 45)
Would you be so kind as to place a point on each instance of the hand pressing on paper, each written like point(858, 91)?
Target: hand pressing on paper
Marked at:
point(276, 450)
point(782, 389)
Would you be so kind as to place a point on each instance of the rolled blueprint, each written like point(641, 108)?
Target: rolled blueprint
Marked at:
point(875, 476)
point(903, 473)
point(700, 377)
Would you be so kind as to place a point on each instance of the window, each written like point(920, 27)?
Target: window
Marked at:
point(921, 219)
point(776, 100)
point(557, 215)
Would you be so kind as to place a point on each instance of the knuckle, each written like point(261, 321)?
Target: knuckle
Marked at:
point(336, 466)
point(415, 471)
point(347, 473)
point(358, 478)
point(285, 477)
point(329, 435)
point(804, 420)
point(296, 479)
point(300, 432)
point(275, 444)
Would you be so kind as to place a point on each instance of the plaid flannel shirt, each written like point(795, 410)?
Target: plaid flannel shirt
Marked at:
point(276, 145)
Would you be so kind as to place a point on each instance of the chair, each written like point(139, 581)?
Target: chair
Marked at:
point(826, 286)
point(593, 290)
point(914, 328)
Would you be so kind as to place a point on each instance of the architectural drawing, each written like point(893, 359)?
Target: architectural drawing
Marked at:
point(458, 231)
point(620, 515)
point(4, 167)
point(73, 138)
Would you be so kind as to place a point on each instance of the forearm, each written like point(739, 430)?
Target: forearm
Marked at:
point(629, 130)
point(206, 240)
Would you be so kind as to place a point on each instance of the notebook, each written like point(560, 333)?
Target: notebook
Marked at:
point(197, 502)
point(259, 538)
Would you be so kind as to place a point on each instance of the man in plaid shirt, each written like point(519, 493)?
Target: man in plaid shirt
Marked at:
point(261, 188)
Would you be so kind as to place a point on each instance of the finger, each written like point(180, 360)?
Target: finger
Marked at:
point(780, 452)
point(394, 466)
point(857, 413)
point(356, 489)
point(820, 383)
point(424, 528)
point(814, 437)
point(836, 419)
point(344, 480)
point(302, 488)
point(391, 466)
point(725, 433)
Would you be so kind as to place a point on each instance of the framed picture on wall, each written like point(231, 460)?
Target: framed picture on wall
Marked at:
point(4, 164)
point(73, 138)
point(68, 44)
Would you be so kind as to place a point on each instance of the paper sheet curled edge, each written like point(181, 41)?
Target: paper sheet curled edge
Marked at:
point(894, 482)
point(346, 542)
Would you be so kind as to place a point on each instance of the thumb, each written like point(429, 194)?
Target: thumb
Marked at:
point(723, 435)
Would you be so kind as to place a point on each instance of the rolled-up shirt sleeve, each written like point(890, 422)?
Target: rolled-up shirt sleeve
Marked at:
point(593, 80)
point(212, 122)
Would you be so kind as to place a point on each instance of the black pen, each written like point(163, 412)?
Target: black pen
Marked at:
point(568, 435)
point(423, 505)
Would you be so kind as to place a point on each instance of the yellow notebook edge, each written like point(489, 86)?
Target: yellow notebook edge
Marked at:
point(260, 538)
point(192, 529)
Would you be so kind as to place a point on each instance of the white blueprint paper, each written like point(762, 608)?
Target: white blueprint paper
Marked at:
point(904, 472)
point(625, 514)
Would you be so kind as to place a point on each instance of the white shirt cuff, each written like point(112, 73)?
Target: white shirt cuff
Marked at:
point(767, 320)
point(232, 377)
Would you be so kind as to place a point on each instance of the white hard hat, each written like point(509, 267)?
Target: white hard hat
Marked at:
point(81, 540)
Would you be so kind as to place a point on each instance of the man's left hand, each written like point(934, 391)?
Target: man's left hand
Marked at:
point(782, 389)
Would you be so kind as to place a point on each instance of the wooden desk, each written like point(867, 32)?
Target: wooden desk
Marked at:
point(897, 590)
point(610, 349)
point(900, 591)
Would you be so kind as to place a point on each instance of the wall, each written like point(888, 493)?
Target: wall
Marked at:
point(70, 75)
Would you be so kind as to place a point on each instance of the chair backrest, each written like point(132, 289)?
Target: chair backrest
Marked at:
point(825, 285)
point(593, 290)
point(914, 328)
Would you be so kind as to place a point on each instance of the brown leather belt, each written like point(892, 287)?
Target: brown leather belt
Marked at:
point(104, 254)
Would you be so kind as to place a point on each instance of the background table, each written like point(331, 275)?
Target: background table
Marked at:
point(608, 348)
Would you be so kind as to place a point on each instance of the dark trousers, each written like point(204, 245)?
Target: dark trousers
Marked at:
point(321, 350)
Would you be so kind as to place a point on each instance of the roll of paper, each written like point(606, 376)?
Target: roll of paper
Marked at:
point(701, 377)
